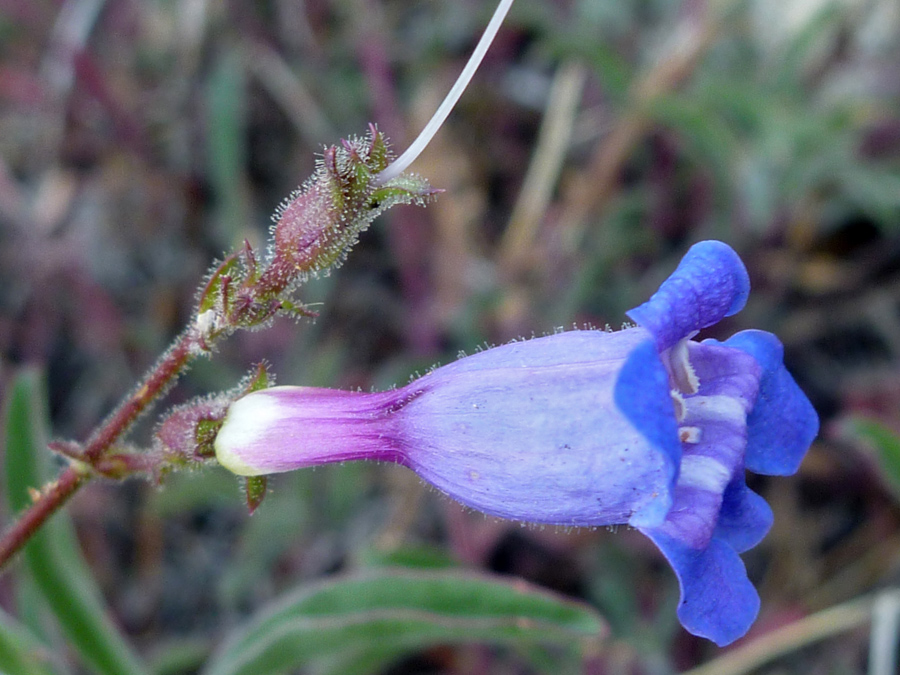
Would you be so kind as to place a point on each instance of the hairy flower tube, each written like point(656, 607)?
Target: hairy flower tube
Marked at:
point(643, 426)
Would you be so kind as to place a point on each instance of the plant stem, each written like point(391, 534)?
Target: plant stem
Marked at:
point(164, 373)
point(51, 498)
point(53, 495)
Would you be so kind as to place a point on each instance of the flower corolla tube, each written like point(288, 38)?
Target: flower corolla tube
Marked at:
point(644, 427)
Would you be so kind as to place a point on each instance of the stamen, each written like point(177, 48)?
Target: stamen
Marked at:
point(689, 434)
point(682, 371)
point(678, 401)
point(403, 162)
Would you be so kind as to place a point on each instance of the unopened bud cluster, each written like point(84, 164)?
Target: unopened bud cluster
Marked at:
point(312, 231)
point(315, 228)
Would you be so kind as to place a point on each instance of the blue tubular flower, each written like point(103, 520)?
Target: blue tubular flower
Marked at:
point(643, 427)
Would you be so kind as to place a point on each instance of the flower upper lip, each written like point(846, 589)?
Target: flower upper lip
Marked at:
point(709, 284)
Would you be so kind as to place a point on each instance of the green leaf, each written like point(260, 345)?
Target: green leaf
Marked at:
point(226, 148)
point(420, 556)
point(875, 191)
point(21, 653)
point(884, 444)
point(819, 33)
point(708, 140)
point(178, 656)
point(388, 612)
point(52, 556)
point(371, 659)
point(213, 295)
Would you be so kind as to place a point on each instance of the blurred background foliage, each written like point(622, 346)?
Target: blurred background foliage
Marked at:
point(142, 140)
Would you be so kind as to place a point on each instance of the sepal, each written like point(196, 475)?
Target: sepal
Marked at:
point(186, 436)
point(255, 489)
point(315, 228)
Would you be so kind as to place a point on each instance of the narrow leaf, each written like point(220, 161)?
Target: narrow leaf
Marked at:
point(52, 556)
point(20, 652)
point(225, 117)
point(402, 610)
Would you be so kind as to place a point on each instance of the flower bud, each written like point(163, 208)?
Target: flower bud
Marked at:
point(314, 229)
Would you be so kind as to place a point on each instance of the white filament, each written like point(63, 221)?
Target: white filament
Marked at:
point(402, 163)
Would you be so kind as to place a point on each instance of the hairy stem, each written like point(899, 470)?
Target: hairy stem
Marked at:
point(55, 494)
point(164, 373)
point(50, 499)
